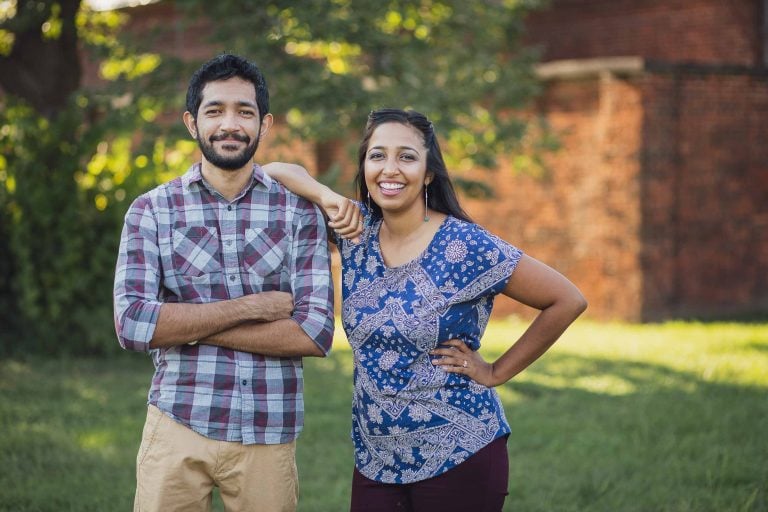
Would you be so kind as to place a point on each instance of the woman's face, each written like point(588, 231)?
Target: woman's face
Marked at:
point(396, 168)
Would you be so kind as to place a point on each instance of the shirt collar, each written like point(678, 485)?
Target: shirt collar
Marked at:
point(195, 175)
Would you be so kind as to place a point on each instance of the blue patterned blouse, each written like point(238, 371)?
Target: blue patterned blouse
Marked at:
point(411, 419)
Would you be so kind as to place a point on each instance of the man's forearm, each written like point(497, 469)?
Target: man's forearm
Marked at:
point(280, 338)
point(180, 323)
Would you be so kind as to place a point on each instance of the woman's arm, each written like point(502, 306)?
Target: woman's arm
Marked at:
point(534, 284)
point(343, 215)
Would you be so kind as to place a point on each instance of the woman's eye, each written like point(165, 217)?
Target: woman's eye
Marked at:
point(375, 156)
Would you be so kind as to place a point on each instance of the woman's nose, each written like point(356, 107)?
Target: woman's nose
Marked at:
point(390, 166)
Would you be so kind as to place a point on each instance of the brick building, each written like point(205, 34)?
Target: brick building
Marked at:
point(656, 205)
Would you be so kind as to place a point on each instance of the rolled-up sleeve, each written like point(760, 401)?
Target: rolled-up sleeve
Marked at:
point(311, 277)
point(137, 278)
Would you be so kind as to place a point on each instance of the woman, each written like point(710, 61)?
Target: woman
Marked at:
point(419, 279)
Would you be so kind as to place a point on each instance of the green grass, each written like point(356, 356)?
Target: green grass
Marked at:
point(670, 417)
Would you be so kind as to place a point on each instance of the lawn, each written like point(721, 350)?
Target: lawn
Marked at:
point(616, 417)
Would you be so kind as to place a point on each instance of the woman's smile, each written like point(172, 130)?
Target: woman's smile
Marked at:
point(390, 188)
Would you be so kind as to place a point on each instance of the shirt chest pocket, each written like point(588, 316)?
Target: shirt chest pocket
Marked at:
point(265, 253)
point(196, 251)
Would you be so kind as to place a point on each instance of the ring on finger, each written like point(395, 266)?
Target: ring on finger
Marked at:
point(465, 364)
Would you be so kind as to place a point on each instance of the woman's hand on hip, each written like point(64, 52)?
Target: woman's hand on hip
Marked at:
point(457, 357)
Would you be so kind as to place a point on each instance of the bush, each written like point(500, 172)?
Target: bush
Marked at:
point(65, 184)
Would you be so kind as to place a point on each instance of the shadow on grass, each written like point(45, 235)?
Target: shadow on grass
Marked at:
point(598, 434)
point(70, 433)
point(757, 346)
point(588, 434)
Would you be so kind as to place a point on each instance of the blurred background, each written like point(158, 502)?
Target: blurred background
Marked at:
point(623, 142)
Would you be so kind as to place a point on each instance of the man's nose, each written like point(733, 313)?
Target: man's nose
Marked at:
point(229, 122)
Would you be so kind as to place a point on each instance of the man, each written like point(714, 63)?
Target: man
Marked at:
point(223, 276)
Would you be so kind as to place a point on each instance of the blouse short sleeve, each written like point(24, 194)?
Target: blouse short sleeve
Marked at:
point(472, 260)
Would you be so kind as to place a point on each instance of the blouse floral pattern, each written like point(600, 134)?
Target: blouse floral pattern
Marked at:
point(411, 419)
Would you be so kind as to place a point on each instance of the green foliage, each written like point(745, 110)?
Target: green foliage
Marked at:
point(71, 161)
point(47, 239)
point(65, 180)
point(64, 215)
point(329, 63)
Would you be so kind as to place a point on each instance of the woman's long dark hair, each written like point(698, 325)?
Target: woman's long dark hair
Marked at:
point(441, 195)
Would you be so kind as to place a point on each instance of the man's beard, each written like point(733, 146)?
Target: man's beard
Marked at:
point(228, 163)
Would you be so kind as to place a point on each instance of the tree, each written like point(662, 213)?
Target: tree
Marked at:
point(39, 38)
point(42, 65)
point(71, 158)
point(330, 62)
point(63, 174)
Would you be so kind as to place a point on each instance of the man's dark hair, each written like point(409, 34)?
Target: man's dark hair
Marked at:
point(224, 67)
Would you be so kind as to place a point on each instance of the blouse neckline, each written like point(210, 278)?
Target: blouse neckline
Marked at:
point(377, 245)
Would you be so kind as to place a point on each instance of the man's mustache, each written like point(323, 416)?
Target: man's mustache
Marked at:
point(230, 136)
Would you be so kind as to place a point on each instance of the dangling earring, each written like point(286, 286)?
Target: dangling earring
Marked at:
point(369, 200)
point(426, 201)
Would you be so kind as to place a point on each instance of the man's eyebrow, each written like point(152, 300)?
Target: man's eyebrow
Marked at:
point(218, 103)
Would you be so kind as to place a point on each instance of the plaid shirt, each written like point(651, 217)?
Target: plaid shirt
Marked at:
point(184, 242)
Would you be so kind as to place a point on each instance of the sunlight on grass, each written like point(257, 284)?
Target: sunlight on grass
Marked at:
point(716, 352)
point(339, 337)
point(709, 352)
point(12, 372)
point(90, 393)
point(509, 395)
point(97, 441)
point(608, 384)
point(615, 417)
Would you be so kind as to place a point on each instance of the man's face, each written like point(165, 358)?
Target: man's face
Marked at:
point(227, 127)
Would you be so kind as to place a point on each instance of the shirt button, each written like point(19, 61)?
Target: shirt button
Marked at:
point(245, 382)
point(228, 243)
point(232, 277)
point(229, 207)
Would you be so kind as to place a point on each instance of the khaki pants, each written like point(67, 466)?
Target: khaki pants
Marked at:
point(177, 468)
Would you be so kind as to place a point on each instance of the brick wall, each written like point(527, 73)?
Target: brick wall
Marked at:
point(582, 214)
point(656, 205)
point(705, 195)
point(702, 163)
point(712, 31)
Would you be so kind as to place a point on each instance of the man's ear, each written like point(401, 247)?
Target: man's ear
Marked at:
point(266, 124)
point(190, 123)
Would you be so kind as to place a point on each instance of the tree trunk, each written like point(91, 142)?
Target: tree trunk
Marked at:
point(42, 71)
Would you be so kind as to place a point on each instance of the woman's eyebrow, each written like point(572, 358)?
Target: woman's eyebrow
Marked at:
point(398, 147)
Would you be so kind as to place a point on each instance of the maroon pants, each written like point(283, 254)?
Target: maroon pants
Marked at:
point(478, 484)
